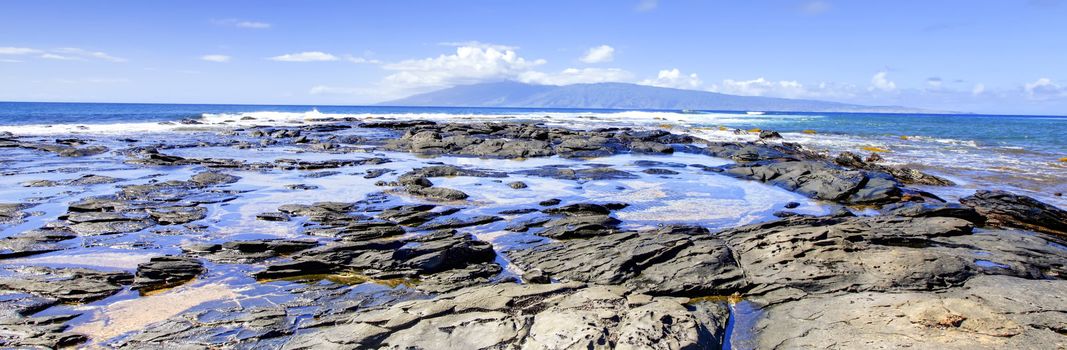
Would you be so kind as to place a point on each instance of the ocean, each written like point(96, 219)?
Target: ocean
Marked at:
point(1013, 152)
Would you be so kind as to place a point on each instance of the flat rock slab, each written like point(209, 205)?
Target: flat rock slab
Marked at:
point(988, 312)
point(650, 262)
point(553, 316)
point(850, 254)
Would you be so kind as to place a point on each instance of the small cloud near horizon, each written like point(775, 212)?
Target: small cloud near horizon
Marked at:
point(238, 23)
point(216, 58)
point(61, 54)
point(599, 54)
point(306, 56)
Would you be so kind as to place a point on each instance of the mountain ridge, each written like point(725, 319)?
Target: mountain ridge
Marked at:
point(620, 96)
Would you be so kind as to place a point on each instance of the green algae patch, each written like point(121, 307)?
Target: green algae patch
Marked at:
point(731, 299)
point(875, 149)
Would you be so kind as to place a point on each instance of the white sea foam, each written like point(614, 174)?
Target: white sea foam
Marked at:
point(216, 121)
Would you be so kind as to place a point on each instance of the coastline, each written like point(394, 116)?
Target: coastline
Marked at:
point(444, 212)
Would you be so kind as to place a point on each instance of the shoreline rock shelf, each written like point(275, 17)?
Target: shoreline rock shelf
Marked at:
point(495, 235)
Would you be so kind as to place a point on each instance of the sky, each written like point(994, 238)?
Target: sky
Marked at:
point(984, 56)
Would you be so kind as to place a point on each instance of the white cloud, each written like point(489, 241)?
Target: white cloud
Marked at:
point(18, 51)
point(361, 60)
point(1044, 89)
point(93, 81)
point(880, 81)
point(784, 88)
point(307, 56)
point(978, 89)
point(233, 22)
point(815, 7)
point(469, 64)
point(253, 24)
point(53, 56)
point(82, 53)
point(599, 54)
point(673, 78)
point(216, 58)
point(64, 54)
point(577, 76)
point(647, 5)
point(480, 45)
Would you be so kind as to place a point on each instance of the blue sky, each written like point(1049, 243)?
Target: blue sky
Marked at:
point(981, 56)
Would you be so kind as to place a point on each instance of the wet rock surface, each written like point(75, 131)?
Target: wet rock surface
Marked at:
point(166, 271)
point(70, 285)
point(552, 316)
point(1003, 209)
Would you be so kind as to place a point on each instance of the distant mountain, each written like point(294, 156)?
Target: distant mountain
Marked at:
point(619, 96)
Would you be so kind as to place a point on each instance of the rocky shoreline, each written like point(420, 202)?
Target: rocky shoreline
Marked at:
point(429, 256)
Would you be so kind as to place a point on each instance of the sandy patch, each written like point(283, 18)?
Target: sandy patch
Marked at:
point(130, 315)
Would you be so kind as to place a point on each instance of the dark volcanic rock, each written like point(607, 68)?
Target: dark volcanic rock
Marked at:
point(849, 254)
point(579, 226)
point(659, 263)
point(93, 180)
point(247, 251)
point(545, 316)
point(549, 202)
point(902, 174)
point(579, 209)
point(375, 173)
point(39, 241)
point(422, 255)
point(73, 285)
point(177, 215)
point(272, 216)
point(302, 187)
point(213, 178)
point(41, 332)
point(11, 213)
point(455, 223)
point(988, 312)
point(768, 134)
point(659, 171)
point(822, 181)
point(914, 209)
point(513, 140)
point(437, 193)
point(1004, 209)
point(165, 272)
point(517, 185)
